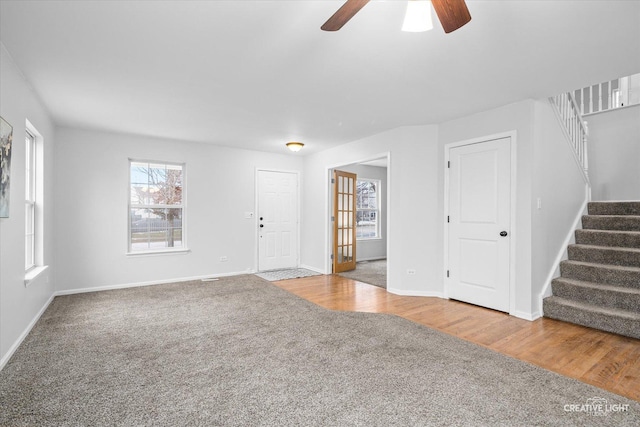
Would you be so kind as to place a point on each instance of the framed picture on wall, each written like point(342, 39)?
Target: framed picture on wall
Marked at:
point(6, 141)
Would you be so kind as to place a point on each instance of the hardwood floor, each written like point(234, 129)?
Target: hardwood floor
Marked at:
point(608, 361)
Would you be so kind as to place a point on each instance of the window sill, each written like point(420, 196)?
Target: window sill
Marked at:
point(156, 253)
point(364, 239)
point(33, 273)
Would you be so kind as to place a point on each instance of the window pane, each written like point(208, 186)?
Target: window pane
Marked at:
point(139, 194)
point(173, 186)
point(152, 224)
point(28, 261)
point(30, 195)
point(156, 228)
point(367, 224)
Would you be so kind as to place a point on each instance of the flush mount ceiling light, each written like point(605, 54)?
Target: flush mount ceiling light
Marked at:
point(418, 16)
point(295, 146)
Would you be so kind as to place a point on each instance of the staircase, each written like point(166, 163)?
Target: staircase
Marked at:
point(599, 285)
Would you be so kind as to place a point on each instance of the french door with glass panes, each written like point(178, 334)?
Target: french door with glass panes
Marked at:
point(344, 221)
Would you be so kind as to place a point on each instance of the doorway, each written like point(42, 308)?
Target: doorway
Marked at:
point(371, 219)
point(277, 220)
point(479, 225)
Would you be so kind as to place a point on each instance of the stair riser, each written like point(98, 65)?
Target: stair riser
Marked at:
point(604, 322)
point(610, 239)
point(601, 297)
point(631, 223)
point(604, 256)
point(614, 208)
point(603, 274)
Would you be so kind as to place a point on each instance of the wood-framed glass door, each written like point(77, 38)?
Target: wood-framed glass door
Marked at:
point(344, 221)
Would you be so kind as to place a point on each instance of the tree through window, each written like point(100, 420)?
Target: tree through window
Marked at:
point(368, 212)
point(156, 209)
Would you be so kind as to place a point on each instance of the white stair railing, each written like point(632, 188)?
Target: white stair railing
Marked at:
point(609, 95)
point(574, 126)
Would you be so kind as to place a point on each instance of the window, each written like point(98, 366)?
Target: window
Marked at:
point(30, 202)
point(368, 212)
point(156, 206)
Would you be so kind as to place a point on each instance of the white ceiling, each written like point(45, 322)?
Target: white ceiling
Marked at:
point(255, 74)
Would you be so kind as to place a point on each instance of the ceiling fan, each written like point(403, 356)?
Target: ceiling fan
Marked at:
point(452, 14)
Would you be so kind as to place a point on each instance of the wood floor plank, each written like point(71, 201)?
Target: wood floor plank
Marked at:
point(608, 361)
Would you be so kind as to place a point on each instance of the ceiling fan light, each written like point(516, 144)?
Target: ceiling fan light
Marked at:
point(418, 16)
point(295, 146)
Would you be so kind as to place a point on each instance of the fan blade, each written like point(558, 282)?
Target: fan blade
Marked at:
point(452, 14)
point(342, 15)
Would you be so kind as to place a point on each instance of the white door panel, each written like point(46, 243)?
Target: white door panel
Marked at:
point(277, 220)
point(479, 210)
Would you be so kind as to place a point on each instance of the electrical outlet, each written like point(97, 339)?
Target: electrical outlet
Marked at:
point(224, 259)
point(411, 272)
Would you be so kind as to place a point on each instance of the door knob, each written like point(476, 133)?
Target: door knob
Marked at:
point(261, 225)
point(503, 233)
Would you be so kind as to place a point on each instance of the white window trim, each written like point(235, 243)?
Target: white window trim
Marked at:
point(162, 251)
point(31, 176)
point(34, 273)
point(184, 249)
point(38, 267)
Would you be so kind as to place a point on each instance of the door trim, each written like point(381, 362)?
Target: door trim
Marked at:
point(328, 208)
point(256, 260)
point(513, 229)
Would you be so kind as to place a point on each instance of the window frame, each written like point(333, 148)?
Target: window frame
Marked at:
point(377, 210)
point(163, 250)
point(31, 204)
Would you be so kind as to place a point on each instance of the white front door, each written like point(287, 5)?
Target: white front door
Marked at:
point(277, 220)
point(479, 223)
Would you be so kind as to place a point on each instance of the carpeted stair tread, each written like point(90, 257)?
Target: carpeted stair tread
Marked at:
point(611, 222)
point(597, 293)
point(617, 238)
point(629, 257)
point(618, 321)
point(614, 208)
point(614, 275)
point(599, 285)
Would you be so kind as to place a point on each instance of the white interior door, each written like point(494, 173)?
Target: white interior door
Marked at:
point(277, 220)
point(479, 223)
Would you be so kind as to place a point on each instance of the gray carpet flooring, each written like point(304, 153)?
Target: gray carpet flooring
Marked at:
point(371, 272)
point(242, 352)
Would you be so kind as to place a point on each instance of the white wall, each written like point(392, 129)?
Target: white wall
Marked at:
point(513, 117)
point(560, 185)
point(91, 209)
point(369, 249)
point(20, 305)
point(412, 216)
point(614, 154)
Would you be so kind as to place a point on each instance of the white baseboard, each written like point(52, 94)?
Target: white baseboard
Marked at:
point(406, 293)
point(526, 316)
point(308, 267)
point(24, 334)
point(150, 283)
